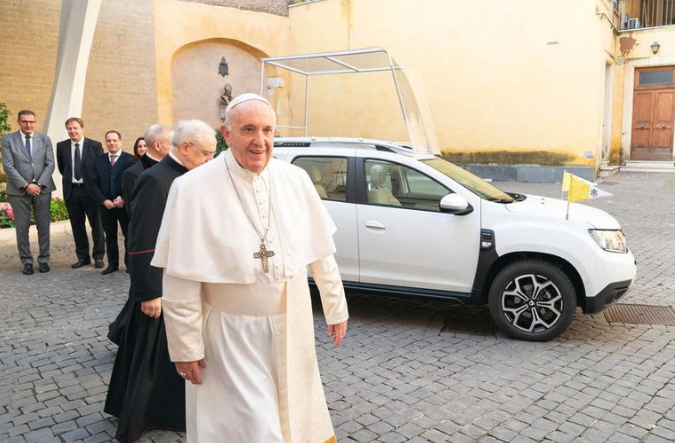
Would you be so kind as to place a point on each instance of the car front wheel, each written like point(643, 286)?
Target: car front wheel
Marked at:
point(532, 300)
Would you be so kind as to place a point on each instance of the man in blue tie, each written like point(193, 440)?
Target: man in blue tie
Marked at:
point(28, 159)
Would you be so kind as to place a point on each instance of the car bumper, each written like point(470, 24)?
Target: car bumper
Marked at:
point(610, 294)
point(607, 276)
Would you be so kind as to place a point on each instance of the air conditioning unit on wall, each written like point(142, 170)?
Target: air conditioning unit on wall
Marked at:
point(633, 23)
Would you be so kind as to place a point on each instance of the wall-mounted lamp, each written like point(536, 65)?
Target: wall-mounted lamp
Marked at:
point(655, 47)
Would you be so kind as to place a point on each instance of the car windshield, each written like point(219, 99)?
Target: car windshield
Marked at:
point(471, 182)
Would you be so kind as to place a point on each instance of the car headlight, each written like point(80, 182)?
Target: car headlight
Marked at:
point(610, 240)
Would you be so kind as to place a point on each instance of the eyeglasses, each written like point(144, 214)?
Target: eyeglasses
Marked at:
point(207, 154)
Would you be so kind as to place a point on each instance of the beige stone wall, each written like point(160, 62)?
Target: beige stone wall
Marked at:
point(29, 32)
point(278, 7)
point(121, 89)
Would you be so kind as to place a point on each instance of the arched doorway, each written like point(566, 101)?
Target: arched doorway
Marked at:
point(197, 82)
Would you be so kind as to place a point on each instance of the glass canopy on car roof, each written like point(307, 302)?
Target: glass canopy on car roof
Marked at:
point(365, 60)
point(412, 105)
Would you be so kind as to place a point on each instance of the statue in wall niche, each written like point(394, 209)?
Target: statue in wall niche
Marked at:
point(223, 69)
point(226, 96)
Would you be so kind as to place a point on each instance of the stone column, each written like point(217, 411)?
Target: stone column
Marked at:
point(76, 34)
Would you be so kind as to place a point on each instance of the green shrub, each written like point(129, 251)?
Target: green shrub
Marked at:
point(6, 216)
point(4, 129)
point(542, 158)
point(221, 144)
point(57, 209)
point(4, 118)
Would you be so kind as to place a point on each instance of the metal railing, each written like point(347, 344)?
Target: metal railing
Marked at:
point(639, 14)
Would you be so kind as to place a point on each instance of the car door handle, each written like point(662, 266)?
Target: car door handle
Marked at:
point(374, 225)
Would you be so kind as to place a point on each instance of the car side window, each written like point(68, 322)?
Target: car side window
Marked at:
point(391, 184)
point(329, 175)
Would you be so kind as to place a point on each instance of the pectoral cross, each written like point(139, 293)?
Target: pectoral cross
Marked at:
point(263, 255)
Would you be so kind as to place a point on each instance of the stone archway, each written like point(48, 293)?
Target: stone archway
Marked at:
point(196, 84)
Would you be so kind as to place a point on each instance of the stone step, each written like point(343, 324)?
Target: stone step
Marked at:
point(649, 165)
point(608, 171)
point(661, 170)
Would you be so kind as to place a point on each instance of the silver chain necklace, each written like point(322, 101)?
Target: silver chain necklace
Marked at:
point(263, 254)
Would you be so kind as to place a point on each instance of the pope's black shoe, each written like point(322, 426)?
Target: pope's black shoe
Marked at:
point(44, 267)
point(28, 268)
point(80, 263)
point(110, 270)
point(98, 263)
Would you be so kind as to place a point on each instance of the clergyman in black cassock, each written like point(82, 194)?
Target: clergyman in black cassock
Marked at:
point(131, 175)
point(116, 328)
point(145, 391)
point(158, 138)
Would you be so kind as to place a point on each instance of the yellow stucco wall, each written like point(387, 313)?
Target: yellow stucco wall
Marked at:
point(178, 24)
point(495, 78)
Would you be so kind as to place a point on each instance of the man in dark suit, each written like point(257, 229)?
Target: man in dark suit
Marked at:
point(106, 188)
point(75, 158)
point(28, 159)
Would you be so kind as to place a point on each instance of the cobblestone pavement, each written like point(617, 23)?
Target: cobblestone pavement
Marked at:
point(402, 374)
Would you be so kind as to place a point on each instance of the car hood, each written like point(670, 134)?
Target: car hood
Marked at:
point(538, 206)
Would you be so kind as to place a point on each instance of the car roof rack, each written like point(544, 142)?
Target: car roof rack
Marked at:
point(287, 144)
point(343, 142)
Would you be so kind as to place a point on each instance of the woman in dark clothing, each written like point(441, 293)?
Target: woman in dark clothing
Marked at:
point(140, 147)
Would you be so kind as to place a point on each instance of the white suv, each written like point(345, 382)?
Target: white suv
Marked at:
point(417, 225)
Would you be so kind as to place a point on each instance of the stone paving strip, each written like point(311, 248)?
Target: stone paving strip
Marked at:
point(410, 370)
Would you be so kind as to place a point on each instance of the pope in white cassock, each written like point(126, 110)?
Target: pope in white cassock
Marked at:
point(237, 236)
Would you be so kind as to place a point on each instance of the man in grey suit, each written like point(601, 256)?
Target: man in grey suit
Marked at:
point(28, 159)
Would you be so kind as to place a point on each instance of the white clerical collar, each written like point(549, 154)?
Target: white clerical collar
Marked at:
point(176, 159)
point(237, 170)
point(148, 154)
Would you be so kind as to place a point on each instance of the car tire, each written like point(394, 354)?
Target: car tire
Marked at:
point(532, 300)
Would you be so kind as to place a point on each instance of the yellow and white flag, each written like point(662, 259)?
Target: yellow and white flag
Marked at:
point(579, 189)
point(566, 181)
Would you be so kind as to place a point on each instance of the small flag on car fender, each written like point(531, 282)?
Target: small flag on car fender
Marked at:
point(566, 181)
point(580, 189)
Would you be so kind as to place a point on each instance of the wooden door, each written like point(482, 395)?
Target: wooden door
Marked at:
point(653, 115)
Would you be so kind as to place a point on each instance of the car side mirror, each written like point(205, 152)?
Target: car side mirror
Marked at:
point(455, 204)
